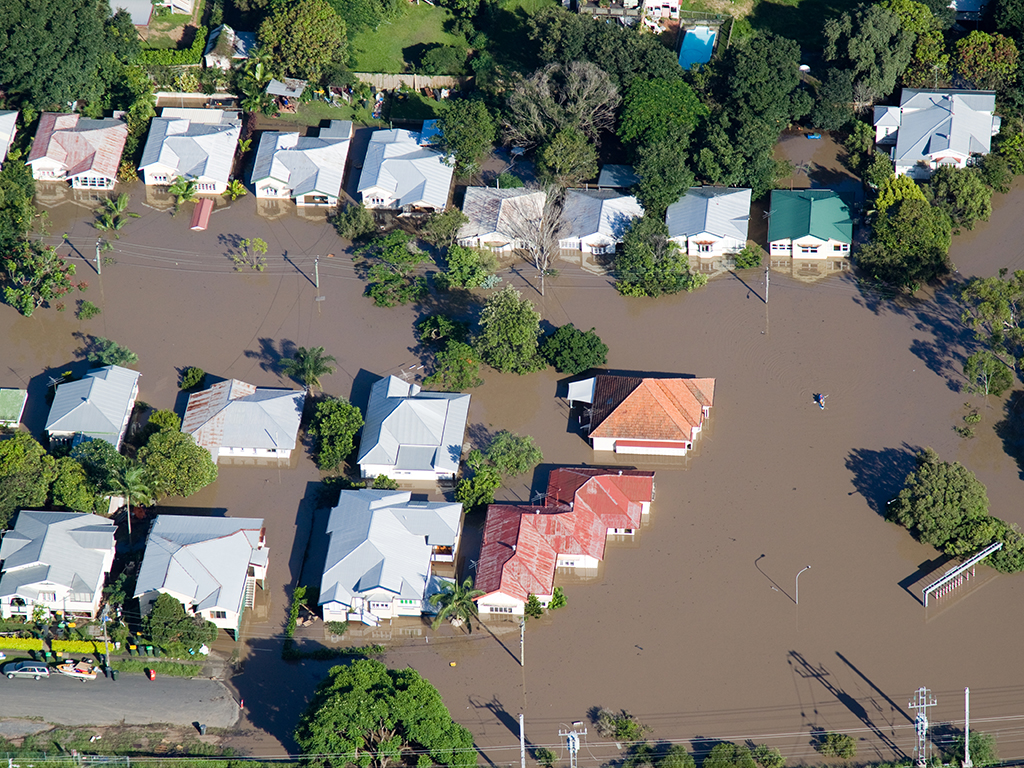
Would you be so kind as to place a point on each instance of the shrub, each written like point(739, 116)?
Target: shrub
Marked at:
point(573, 351)
point(21, 643)
point(169, 668)
point(192, 378)
point(107, 352)
point(558, 599)
point(621, 726)
point(336, 627)
point(77, 646)
point(836, 745)
point(353, 221)
point(508, 180)
point(384, 483)
point(768, 757)
point(87, 310)
point(749, 257)
point(544, 756)
point(334, 427)
point(170, 58)
point(533, 608)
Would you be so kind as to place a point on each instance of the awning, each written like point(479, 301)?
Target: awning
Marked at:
point(581, 391)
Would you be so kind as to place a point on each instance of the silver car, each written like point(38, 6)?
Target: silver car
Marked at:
point(33, 669)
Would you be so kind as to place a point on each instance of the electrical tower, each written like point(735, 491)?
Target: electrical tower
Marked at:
point(572, 742)
point(922, 700)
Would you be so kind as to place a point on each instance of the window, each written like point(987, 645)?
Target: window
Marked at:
point(206, 186)
point(408, 602)
point(780, 247)
point(380, 606)
point(499, 609)
point(846, 246)
point(218, 614)
point(703, 247)
point(48, 597)
point(808, 249)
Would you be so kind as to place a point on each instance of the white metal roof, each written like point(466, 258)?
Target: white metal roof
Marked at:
point(420, 430)
point(589, 213)
point(720, 211)
point(194, 143)
point(381, 543)
point(97, 405)
point(62, 548)
point(411, 174)
point(305, 164)
point(499, 211)
point(205, 559)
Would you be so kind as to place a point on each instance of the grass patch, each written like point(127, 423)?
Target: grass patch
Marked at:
point(411, 105)
point(397, 46)
point(529, 6)
point(315, 112)
point(168, 668)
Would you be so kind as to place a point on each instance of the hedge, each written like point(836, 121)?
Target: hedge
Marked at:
point(21, 643)
point(78, 646)
point(169, 58)
point(168, 668)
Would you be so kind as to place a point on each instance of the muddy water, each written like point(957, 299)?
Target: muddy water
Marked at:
point(694, 626)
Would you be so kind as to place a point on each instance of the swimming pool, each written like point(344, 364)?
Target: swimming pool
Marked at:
point(698, 43)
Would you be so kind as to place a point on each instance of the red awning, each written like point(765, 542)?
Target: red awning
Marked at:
point(201, 214)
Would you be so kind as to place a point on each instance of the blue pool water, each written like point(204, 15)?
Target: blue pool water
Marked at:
point(698, 43)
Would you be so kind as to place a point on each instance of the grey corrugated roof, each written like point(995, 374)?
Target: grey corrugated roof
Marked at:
point(381, 541)
point(287, 86)
point(617, 177)
point(400, 415)
point(499, 211)
point(589, 213)
point(206, 559)
point(305, 164)
point(193, 142)
point(933, 121)
point(96, 405)
point(65, 548)
point(720, 211)
point(411, 174)
point(235, 414)
point(887, 117)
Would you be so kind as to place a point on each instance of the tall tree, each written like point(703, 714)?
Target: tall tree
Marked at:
point(664, 177)
point(537, 223)
point(367, 715)
point(963, 194)
point(650, 264)
point(660, 109)
point(567, 159)
point(308, 365)
point(761, 81)
point(456, 602)
point(26, 471)
point(304, 37)
point(389, 262)
point(467, 132)
point(509, 333)
point(909, 246)
point(871, 42)
point(987, 61)
point(994, 308)
point(131, 482)
point(334, 426)
point(176, 464)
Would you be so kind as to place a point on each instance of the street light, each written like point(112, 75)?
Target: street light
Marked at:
point(797, 600)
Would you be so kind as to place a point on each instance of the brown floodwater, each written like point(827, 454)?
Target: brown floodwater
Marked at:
point(694, 626)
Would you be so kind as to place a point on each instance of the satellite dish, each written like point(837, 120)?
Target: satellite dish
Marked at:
point(804, 68)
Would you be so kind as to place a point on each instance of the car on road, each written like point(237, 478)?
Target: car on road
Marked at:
point(33, 669)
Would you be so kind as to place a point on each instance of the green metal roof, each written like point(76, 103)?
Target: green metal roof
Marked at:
point(820, 213)
point(12, 402)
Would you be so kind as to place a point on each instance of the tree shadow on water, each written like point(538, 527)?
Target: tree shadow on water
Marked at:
point(950, 341)
point(878, 476)
point(1011, 429)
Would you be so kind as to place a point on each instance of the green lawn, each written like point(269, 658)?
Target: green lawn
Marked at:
point(800, 20)
point(314, 113)
point(396, 46)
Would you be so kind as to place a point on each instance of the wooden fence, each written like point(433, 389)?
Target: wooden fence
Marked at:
point(385, 82)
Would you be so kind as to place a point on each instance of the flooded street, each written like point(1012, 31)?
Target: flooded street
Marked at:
point(693, 627)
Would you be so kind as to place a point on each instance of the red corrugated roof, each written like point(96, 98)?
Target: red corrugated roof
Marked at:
point(615, 496)
point(651, 409)
point(514, 558)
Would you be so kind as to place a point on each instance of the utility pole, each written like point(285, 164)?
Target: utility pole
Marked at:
point(522, 742)
point(572, 743)
point(922, 700)
point(767, 279)
point(967, 729)
point(522, 642)
point(316, 271)
point(99, 264)
point(104, 618)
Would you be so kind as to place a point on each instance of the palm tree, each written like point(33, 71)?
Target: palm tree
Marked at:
point(132, 482)
point(308, 365)
point(184, 191)
point(456, 603)
point(235, 189)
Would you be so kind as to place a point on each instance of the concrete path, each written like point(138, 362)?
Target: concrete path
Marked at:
point(133, 700)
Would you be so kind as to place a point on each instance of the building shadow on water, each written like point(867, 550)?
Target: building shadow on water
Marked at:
point(878, 476)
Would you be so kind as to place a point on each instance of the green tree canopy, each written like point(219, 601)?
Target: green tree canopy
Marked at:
point(567, 159)
point(945, 505)
point(659, 109)
point(573, 351)
point(511, 454)
point(509, 333)
point(100, 460)
point(26, 472)
point(896, 189)
point(370, 716)
point(456, 602)
point(963, 194)
point(992, 308)
point(467, 132)
point(307, 365)
point(1009, 16)
point(466, 267)
point(728, 755)
point(334, 426)
point(72, 489)
point(388, 262)
point(664, 177)
point(761, 84)
point(456, 368)
point(176, 464)
point(303, 37)
point(910, 245)
point(914, 17)
point(987, 61)
point(168, 623)
point(871, 42)
point(650, 264)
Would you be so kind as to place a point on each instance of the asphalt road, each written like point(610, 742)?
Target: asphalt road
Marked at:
point(133, 699)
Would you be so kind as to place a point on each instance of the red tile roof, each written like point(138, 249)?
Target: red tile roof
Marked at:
point(649, 409)
point(615, 496)
point(97, 145)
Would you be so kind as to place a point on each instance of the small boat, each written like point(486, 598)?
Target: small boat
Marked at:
point(80, 670)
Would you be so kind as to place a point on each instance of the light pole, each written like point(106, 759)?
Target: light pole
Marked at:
point(797, 600)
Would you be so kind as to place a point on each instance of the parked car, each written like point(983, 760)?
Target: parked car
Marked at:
point(33, 669)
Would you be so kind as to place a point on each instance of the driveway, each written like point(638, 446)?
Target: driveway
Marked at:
point(133, 700)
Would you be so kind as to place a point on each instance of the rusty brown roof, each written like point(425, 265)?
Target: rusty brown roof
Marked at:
point(649, 409)
point(80, 145)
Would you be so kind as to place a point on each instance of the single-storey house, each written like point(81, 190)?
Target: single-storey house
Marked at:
point(212, 565)
point(225, 47)
point(307, 169)
point(8, 130)
point(932, 128)
point(499, 219)
point(516, 561)
point(621, 498)
point(379, 554)
point(809, 224)
point(653, 417)
point(232, 419)
point(402, 172)
point(596, 221)
point(410, 434)
point(96, 407)
point(71, 148)
point(196, 144)
point(708, 222)
point(55, 560)
point(12, 406)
